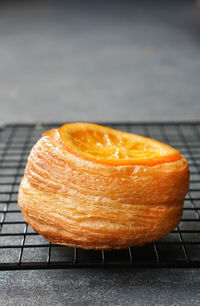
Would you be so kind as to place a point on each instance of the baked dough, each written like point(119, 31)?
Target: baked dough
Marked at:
point(104, 199)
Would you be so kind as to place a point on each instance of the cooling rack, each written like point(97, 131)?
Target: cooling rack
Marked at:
point(22, 248)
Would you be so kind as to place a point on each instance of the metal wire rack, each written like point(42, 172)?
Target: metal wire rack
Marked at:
point(22, 248)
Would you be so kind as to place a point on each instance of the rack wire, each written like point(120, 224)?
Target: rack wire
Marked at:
point(22, 248)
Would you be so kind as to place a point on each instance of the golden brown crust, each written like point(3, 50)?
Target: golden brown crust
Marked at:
point(80, 203)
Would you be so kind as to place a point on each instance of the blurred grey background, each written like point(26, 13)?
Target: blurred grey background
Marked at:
point(99, 60)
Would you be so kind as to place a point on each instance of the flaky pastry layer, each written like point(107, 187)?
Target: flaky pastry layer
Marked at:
point(80, 203)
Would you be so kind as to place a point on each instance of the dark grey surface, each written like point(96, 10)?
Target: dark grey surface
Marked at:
point(95, 287)
point(99, 61)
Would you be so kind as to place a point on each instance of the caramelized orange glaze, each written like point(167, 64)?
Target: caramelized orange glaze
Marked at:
point(108, 146)
point(128, 192)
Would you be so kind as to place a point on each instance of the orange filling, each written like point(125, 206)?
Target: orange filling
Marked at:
point(108, 146)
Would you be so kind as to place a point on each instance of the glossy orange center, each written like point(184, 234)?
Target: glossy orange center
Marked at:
point(108, 146)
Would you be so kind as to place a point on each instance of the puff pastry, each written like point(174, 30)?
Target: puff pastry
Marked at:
point(93, 187)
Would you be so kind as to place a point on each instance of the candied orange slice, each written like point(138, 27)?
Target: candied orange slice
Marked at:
point(112, 147)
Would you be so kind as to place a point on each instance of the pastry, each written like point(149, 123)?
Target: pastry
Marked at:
point(93, 187)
